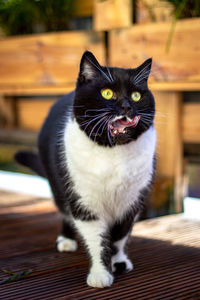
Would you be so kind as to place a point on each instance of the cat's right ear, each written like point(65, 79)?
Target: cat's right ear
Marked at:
point(89, 67)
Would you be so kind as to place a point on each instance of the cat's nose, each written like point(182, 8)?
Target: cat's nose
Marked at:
point(126, 107)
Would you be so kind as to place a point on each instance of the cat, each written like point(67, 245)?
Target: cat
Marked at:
point(97, 150)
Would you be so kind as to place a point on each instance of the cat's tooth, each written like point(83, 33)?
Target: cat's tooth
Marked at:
point(115, 131)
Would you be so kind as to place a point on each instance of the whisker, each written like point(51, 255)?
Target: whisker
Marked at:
point(97, 110)
point(96, 117)
point(87, 123)
point(92, 116)
point(160, 114)
point(104, 121)
point(95, 126)
point(145, 114)
point(146, 125)
point(107, 122)
point(108, 135)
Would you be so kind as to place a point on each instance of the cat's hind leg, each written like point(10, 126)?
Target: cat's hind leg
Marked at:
point(120, 261)
point(119, 236)
point(66, 240)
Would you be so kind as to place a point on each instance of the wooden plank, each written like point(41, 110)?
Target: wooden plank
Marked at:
point(153, 11)
point(51, 59)
point(169, 148)
point(191, 123)
point(109, 14)
point(168, 106)
point(31, 113)
point(27, 89)
point(174, 86)
point(130, 47)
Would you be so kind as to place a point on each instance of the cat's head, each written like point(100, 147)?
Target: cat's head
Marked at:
point(113, 105)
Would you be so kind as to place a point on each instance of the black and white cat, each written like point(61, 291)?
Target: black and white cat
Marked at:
point(97, 149)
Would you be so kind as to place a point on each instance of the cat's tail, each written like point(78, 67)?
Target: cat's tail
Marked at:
point(31, 160)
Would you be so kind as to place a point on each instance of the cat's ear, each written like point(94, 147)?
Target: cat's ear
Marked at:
point(89, 66)
point(143, 71)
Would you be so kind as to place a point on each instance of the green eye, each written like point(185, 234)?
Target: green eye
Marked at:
point(107, 94)
point(136, 96)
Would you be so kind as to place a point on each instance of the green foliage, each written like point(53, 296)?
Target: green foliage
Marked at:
point(183, 9)
point(186, 8)
point(30, 16)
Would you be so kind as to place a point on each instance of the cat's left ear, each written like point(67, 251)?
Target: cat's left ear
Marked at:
point(143, 71)
point(89, 66)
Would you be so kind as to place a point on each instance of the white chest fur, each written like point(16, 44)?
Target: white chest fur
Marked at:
point(108, 180)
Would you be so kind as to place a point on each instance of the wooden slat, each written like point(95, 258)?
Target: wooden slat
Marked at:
point(165, 252)
point(130, 47)
point(169, 146)
point(31, 113)
point(109, 14)
point(168, 106)
point(45, 60)
point(27, 90)
point(174, 86)
point(191, 123)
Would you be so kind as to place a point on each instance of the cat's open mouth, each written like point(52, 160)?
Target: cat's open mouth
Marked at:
point(118, 126)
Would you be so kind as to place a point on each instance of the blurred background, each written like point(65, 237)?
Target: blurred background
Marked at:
point(41, 43)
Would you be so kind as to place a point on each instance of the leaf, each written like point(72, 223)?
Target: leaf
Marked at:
point(15, 276)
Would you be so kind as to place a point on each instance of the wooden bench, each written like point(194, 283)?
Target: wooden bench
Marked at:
point(43, 64)
point(47, 65)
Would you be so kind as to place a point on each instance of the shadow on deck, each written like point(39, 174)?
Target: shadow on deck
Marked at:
point(165, 252)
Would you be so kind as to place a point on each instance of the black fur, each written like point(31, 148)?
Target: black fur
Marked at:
point(82, 105)
point(120, 267)
point(68, 230)
point(30, 160)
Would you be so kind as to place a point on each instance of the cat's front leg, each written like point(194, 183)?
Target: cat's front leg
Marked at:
point(94, 235)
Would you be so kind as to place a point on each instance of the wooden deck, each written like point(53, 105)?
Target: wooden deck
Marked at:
point(165, 252)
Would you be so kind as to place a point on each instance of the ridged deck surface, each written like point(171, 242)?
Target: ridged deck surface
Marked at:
point(165, 252)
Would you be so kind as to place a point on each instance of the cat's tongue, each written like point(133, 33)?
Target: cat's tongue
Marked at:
point(119, 126)
point(127, 123)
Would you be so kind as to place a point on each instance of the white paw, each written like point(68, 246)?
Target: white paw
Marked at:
point(64, 244)
point(99, 279)
point(121, 265)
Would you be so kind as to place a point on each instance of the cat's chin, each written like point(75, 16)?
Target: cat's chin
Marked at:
point(119, 126)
